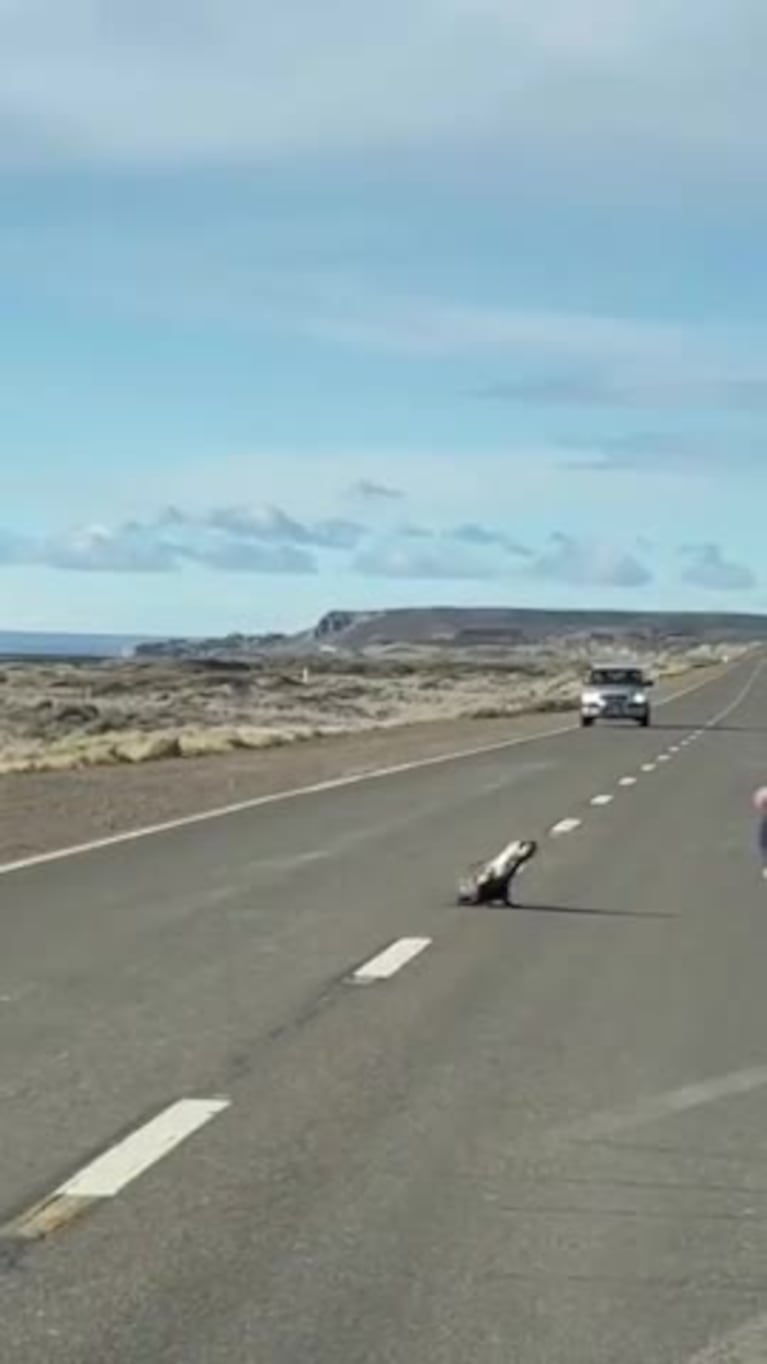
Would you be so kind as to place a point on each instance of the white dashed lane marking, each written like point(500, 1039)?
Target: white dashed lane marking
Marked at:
point(387, 963)
point(569, 825)
point(110, 1173)
point(565, 826)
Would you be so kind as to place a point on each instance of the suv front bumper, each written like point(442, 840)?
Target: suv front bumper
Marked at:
point(615, 709)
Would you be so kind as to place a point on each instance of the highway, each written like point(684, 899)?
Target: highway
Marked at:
point(534, 1135)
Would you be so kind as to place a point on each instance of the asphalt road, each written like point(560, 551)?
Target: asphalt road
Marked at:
point(542, 1139)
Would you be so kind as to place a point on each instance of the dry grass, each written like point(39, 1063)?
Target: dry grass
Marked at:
point(60, 716)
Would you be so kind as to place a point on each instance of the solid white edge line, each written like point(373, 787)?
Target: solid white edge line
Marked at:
point(387, 963)
point(318, 788)
point(601, 800)
point(741, 696)
point(565, 826)
point(121, 1164)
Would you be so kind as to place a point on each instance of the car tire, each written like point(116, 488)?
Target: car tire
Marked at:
point(645, 721)
point(587, 721)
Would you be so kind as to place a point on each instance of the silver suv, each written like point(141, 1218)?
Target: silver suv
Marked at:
point(615, 692)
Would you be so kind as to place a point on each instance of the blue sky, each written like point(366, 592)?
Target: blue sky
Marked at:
point(348, 305)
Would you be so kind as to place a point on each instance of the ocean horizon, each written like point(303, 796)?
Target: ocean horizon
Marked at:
point(66, 644)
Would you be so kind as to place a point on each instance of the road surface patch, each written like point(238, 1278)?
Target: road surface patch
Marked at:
point(657, 1107)
point(747, 1344)
point(387, 963)
point(115, 1169)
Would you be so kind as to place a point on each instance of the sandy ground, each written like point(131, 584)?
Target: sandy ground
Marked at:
point(46, 810)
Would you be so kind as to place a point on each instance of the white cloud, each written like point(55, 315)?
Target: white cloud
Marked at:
point(464, 552)
point(470, 533)
point(367, 490)
point(243, 556)
point(533, 357)
point(274, 524)
point(660, 453)
point(733, 380)
point(429, 542)
point(242, 539)
point(709, 568)
point(154, 276)
point(581, 563)
point(438, 562)
point(168, 542)
point(98, 549)
point(590, 83)
point(349, 311)
point(439, 487)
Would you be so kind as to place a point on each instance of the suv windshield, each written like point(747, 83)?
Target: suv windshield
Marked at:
point(616, 677)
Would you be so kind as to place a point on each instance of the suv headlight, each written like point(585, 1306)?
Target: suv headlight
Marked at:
point(639, 698)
